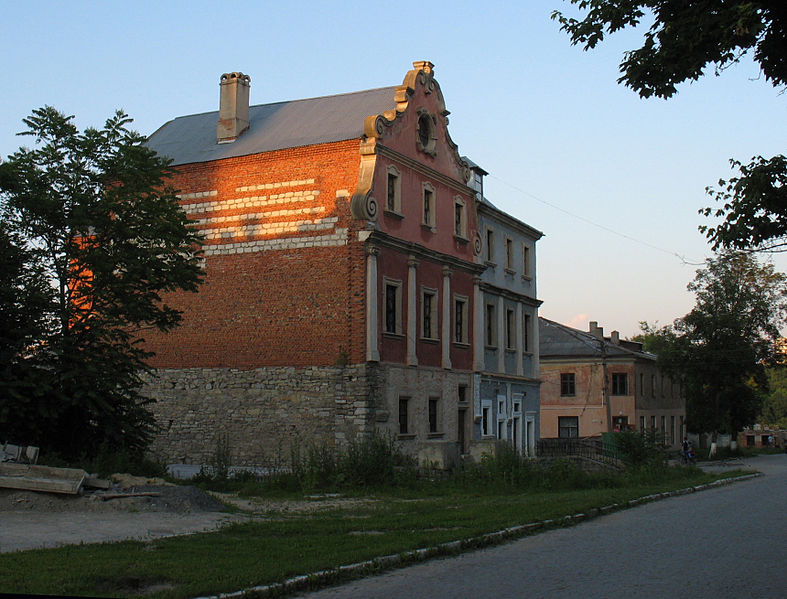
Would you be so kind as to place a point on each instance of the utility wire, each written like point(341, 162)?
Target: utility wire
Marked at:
point(597, 225)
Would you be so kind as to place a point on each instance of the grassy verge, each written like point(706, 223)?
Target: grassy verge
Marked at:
point(260, 552)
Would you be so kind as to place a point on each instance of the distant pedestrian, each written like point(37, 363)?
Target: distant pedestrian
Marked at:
point(684, 451)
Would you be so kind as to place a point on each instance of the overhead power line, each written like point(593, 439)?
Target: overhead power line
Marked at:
point(598, 225)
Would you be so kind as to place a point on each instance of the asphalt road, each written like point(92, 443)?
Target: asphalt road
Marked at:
point(729, 541)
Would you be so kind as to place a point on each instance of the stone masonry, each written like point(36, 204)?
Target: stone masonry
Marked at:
point(263, 412)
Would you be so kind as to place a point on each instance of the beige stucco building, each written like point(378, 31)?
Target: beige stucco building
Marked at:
point(591, 384)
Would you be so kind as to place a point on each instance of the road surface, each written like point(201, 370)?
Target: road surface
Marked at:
point(729, 541)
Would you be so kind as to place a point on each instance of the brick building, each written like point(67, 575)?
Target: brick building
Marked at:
point(593, 384)
point(341, 276)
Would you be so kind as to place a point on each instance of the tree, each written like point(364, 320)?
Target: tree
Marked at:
point(774, 403)
point(23, 300)
point(754, 207)
point(683, 40)
point(94, 223)
point(722, 347)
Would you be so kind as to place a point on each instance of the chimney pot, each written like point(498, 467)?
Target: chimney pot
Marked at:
point(233, 106)
point(595, 330)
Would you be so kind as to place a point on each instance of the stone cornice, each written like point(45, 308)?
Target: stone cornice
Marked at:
point(512, 295)
point(515, 223)
point(489, 375)
point(594, 359)
point(419, 252)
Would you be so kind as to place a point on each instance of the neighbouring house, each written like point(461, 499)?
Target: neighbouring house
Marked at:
point(507, 373)
point(759, 436)
point(342, 279)
point(592, 384)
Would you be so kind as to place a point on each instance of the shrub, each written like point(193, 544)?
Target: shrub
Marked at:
point(640, 449)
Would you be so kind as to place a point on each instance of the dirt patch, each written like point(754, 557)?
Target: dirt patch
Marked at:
point(260, 505)
point(169, 498)
point(132, 585)
point(33, 520)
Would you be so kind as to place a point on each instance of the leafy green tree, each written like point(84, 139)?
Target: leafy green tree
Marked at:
point(721, 348)
point(90, 213)
point(684, 39)
point(774, 402)
point(24, 295)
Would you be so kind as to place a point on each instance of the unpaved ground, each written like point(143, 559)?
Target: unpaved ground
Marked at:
point(30, 520)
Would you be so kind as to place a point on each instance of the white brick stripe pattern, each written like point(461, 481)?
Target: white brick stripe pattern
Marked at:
point(338, 238)
point(197, 194)
point(276, 185)
point(260, 229)
point(257, 215)
point(289, 197)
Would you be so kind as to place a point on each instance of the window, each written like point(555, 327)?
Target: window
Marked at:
point(641, 384)
point(620, 383)
point(567, 384)
point(663, 425)
point(460, 224)
point(490, 245)
point(460, 320)
point(433, 415)
point(426, 135)
point(501, 417)
point(404, 415)
point(653, 385)
point(526, 260)
point(429, 314)
point(486, 414)
point(653, 422)
point(478, 183)
point(429, 206)
point(568, 427)
point(491, 326)
point(672, 430)
point(393, 201)
point(462, 394)
point(510, 339)
point(509, 253)
point(642, 424)
point(393, 307)
point(526, 333)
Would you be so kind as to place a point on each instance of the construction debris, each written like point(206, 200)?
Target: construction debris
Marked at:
point(93, 482)
point(24, 454)
point(30, 477)
point(108, 496)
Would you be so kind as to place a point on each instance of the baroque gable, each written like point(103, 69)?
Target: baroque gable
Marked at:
point(413, 133)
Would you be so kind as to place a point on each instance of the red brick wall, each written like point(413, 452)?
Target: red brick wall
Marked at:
point(280, 306)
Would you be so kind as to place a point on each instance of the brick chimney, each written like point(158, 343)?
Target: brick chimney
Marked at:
point(595, 330)
point(233, 106)
point(614, 336)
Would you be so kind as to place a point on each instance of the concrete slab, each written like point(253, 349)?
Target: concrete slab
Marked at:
point(41, 478)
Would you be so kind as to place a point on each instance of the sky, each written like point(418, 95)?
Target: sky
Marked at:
point(613, 181)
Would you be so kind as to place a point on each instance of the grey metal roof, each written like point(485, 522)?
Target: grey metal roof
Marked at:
point(555, 339)
point(275, 126)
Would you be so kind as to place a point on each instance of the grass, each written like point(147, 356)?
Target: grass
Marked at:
point(260, 552)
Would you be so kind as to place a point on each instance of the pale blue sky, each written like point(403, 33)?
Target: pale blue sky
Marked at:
point(548, 121)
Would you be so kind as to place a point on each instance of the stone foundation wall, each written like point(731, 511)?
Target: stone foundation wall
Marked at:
point(438, 449)
point(263, 412)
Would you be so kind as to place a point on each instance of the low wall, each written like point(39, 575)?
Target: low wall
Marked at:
point(262, 412)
